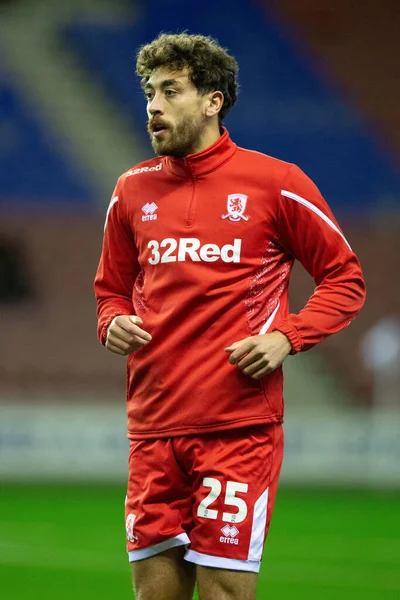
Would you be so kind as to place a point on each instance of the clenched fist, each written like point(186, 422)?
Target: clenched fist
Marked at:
point(259, 355)
point(125, 336)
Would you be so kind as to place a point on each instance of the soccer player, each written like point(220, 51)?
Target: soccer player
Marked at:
point(192, 286)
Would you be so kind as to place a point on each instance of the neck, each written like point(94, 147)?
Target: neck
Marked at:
point(210, 135)
point(218, 150)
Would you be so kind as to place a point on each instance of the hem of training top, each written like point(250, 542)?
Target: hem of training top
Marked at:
point(206, 560)
point(203, 429)
point(180, 540)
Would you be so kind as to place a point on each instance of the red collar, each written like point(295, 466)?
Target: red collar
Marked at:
point(204, 162)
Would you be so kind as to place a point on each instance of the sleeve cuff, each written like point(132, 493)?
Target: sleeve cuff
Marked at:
point(292, 334)
point(106, 325)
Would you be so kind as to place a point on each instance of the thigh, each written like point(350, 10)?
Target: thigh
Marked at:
point(235, 478)
point(158, 502)
point(165, 576)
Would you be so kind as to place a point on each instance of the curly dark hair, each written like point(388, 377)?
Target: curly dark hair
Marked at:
point(210, 66)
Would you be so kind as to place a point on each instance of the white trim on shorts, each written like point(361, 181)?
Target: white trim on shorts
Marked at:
point(206, 560)
point(258, 527)
point(180, 540)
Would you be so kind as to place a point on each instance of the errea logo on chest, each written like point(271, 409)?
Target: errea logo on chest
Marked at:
point(149, 210)
point(191, 249)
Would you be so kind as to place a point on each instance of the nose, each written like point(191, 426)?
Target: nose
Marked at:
point(155, 106)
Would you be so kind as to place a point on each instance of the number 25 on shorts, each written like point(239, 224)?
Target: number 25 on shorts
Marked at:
point(230, 500)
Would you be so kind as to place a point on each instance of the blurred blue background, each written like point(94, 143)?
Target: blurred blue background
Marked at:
point(320, 87)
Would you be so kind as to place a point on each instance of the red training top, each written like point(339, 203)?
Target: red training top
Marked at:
point(201, 249)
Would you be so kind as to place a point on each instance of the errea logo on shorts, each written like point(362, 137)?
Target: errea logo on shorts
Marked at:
point(192, 249)
point(144, 170)
point(230, 534)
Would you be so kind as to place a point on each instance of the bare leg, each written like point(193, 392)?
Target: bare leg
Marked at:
point(165, 576)
point(225, 584)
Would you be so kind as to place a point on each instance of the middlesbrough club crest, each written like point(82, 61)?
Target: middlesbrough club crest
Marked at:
point(130, 520)
point(235, 206)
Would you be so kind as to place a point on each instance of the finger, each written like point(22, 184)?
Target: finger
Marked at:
point(115, 349)
point(141, 333)
point(263, 372)
point(126, 333)
point(131, 325)
point(123, 320)
point(138, 342)
point(233, 346)
point(135, 320)
point(125, 349)
point(121, 334)
point(250, 358)
point(117, 343)
point(245, 347)
point(255, 367)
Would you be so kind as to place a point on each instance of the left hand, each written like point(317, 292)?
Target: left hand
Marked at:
point(259, 355)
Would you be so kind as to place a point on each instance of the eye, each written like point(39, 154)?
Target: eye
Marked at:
point(170, 92)
point(149, 96)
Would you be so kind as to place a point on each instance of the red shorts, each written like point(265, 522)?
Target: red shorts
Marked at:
point(212, 493)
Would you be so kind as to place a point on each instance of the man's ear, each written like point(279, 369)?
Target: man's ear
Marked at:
point(215, 103)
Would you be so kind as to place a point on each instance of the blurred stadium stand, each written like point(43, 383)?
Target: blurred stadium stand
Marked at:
point(306, 97)
point(31, 169)
point(284, 108)
point(359, 50)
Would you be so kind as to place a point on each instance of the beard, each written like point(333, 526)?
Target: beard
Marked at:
point(181, 139)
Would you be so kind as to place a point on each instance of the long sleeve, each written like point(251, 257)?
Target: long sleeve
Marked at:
point(309, 232)
point(118, 266)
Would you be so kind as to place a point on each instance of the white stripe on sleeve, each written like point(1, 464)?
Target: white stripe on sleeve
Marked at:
point(316, 210)
point(113, 201)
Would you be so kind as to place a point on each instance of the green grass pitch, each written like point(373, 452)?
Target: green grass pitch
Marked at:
point(63, 542)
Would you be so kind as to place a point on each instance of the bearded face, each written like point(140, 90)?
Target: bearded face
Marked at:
point(178, 138)
point(176, 113)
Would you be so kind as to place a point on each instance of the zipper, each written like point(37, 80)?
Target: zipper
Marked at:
point(189, 218)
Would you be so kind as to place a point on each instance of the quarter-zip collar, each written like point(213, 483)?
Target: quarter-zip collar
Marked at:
point(204, 162)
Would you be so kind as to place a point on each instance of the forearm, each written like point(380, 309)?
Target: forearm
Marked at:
point(118, 267)
point(334, 304)
point(107, 309)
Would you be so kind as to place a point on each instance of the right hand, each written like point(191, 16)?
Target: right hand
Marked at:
point(125, 336)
